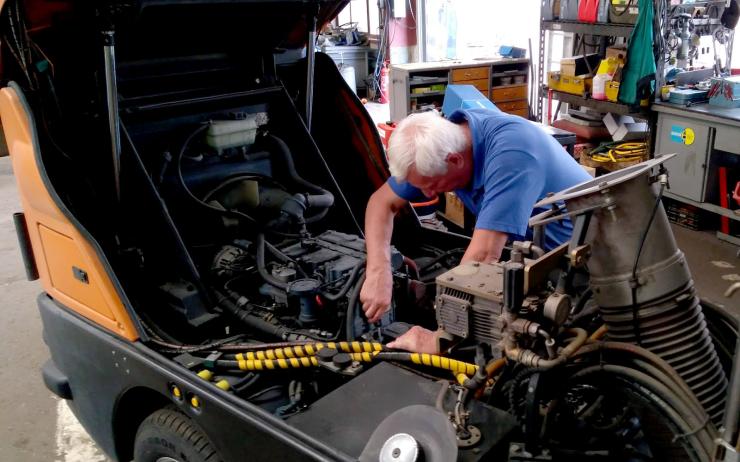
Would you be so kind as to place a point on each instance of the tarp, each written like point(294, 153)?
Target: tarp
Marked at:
point(638, 78)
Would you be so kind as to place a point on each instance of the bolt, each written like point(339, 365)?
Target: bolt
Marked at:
point(396, 453)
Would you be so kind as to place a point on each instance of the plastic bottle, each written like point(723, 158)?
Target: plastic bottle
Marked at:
point(599, 86)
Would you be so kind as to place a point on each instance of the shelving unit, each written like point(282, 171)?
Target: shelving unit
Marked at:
point(595, 29)
point(611, 30)
point(504, 81)
point(599, 105)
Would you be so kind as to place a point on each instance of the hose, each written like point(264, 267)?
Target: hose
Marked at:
point(248, 318)
point(310, 349)
point(439, 258)
point(321, 197)
point(351, 307)
point(184, 186)
point(268, 364)
point(345, 288)
point(694, 426)
point(641, 353)
point(598, 333)
point(531, 359)
point(269, 278)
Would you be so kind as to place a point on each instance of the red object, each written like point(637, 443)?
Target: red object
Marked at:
point(386, 130)
point(724, 200)
point(384, 76)
point(736, 193)
point(735, 72)
point(588, 10)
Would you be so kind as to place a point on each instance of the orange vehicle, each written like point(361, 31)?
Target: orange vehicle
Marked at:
point(193, 191)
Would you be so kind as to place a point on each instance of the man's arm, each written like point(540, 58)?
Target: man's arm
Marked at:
point(485, 246)
point(377, 290)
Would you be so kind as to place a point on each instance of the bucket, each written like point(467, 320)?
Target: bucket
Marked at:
point(348, 74)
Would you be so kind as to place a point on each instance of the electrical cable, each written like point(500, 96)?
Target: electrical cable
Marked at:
point(269, 278)
point(634, 281)
point(345, 288)
point(352, 307)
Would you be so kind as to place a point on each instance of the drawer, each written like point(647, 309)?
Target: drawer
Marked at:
point(512, 105)
point(520, 112)
point(511, 93)
point(480, 84)
point(469, 73)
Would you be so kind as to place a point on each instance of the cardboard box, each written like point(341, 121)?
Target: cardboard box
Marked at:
point(612, 91)
point(631, 131)
point(454, 209)
point(574, 85)
point(580, 65)
point(612, 122)
point(618, 52)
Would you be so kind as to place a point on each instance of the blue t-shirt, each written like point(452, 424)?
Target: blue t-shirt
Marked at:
point(515, 164)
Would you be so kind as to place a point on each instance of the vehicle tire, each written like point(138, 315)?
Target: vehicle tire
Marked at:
point(168, 435)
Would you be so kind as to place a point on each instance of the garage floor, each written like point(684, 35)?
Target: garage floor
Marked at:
point(37, 427)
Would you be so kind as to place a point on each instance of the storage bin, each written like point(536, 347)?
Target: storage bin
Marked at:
point(623, 11)
point(357, 57)
point(569, 10)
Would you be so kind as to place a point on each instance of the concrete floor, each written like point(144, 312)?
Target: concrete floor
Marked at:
point(36, 427)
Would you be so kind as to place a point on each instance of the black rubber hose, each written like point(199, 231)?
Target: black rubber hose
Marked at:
point(284, 258)
point(439, 258)
point(351, 307)
point(347, 285)
point(320, 198)
point(269, 278)
point(685, 415)
point(674, 421)
point(184, 186)
point(641, 353)
point(248, 318)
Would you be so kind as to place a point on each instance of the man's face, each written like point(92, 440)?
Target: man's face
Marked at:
point(457, 176)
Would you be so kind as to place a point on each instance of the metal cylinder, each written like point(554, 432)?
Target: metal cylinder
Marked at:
point(653, 305)
point(111, 92)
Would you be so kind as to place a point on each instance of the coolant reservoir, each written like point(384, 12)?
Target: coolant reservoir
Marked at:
point(225, 134)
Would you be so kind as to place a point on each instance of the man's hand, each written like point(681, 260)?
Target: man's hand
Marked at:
point(376, 294)
point(417, 340)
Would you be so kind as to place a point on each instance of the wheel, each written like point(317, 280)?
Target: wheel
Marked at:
point(168, 435)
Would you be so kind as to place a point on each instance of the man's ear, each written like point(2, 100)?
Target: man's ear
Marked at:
point(456, 159)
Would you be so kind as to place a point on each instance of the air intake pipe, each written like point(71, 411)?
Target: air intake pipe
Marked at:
point(640, 278)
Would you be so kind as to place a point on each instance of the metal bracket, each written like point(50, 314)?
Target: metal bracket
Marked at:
point(725, 452)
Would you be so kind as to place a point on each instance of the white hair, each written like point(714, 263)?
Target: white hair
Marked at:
point(424, 140)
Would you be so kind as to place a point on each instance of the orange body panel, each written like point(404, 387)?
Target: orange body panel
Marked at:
point(57, 244)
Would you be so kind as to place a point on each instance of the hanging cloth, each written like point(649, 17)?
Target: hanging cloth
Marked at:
point(638, 77)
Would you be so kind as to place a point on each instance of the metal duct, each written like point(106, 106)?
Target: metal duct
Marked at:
point(657, 308)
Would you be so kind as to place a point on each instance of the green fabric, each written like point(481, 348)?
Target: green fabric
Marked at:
point(640, 68)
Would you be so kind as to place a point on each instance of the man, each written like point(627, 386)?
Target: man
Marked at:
point(498, 164)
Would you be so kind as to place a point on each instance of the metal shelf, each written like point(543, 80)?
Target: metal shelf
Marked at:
point(603, 29)
point(429, 93)
point(599, 105)
point(428, 81)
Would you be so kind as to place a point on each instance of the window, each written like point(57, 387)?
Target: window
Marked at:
point(467, 29)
